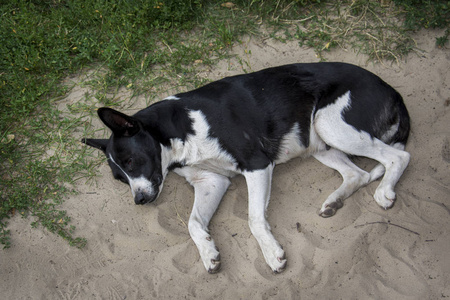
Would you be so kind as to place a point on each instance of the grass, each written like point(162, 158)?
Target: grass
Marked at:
point(142, 46)
point(378, 29)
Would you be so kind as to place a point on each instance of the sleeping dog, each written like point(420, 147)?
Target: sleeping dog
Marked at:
point(247, 124)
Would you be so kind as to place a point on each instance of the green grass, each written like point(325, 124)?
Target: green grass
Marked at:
point(143, 46)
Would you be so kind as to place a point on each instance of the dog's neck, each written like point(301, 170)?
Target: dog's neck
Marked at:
point(197, 149)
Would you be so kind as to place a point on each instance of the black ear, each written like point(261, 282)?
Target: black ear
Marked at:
point(119, 123)
point(96, 143)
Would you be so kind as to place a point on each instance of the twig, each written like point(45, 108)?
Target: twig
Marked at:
point(164, 42)
point(296, 21)
point(373, 37)
point(376, 16)
point(179, 216)
point(176, 210)
point(387, 223)
point(389, 52)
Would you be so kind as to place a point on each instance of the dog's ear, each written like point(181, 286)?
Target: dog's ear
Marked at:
point(119, 123)
point(96, 143)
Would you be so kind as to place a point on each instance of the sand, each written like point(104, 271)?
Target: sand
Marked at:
point(363, 252)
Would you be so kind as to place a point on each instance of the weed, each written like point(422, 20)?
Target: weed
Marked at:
point(425, 13)
point(443, 40)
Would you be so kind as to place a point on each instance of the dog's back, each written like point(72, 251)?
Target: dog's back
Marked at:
point(251, 114)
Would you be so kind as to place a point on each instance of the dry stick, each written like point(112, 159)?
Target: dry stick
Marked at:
point(179, 216)
point(176, 210)
point(387, 223)
point(170, 49)
point(296, 21)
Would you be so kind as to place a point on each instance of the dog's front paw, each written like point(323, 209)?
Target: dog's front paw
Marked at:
point(211, 259)
point(280, 266)
point(213, 265)
point(276, 259)
point(329, 209)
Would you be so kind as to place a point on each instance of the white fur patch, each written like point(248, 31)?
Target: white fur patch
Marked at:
point(171, 98)
point(141, 185)
point(201, 150)
point(290, 145)
point(333, 120)
point(390, 132)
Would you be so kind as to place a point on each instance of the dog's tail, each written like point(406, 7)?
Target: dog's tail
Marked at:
point(399, 138)
point(402, 134)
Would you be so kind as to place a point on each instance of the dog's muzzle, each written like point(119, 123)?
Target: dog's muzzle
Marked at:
point(143, 198)
point(143, 190)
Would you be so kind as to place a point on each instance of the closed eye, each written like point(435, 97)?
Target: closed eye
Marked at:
point(129, 164)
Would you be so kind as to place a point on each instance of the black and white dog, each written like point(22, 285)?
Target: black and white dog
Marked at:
point(247, 124)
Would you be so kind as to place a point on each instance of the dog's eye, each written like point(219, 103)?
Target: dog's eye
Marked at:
point(129, 164)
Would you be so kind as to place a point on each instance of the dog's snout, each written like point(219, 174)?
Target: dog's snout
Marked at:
point(143, 190)
point(139, 199)
point(142, 198)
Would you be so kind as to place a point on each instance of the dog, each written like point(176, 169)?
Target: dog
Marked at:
point(247, 124)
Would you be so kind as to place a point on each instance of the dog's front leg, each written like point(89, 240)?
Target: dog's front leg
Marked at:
point(209, 189)
point(259, 184)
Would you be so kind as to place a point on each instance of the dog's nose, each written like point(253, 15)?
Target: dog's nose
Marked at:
point(142, 198)
point(139, 199)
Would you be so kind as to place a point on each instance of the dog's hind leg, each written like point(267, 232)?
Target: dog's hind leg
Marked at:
point(353, 179)
point(259, 186)
point(336, 133)
point(379, 169)
point(394, 161)
point(209, 189)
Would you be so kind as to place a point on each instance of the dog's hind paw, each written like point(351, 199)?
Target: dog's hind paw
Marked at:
point(385, 197)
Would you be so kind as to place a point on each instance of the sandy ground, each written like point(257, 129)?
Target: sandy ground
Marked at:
point(145, 252)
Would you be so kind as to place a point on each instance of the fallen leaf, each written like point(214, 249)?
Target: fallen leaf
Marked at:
point(228, 4)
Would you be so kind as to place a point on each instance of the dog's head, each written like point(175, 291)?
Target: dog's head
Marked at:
point(133, 154)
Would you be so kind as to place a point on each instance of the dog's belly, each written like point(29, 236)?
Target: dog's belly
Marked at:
point(291, 145)
point(224, 168)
